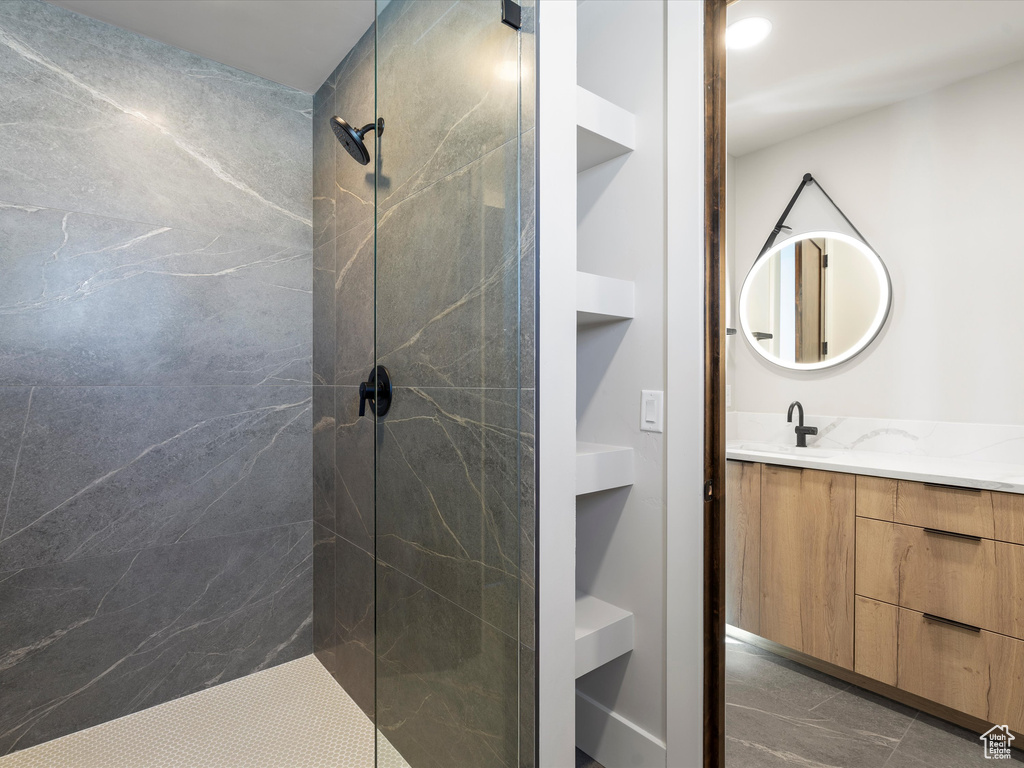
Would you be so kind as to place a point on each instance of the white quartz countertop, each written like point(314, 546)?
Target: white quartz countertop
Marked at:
point(924, 469)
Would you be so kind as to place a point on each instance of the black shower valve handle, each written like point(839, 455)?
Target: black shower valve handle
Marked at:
point(377, 390)
point(365, 393)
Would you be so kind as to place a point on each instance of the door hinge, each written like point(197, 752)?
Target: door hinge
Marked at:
point(824, 348)
point(709, 491)
point(824, 261)
point(511, 14)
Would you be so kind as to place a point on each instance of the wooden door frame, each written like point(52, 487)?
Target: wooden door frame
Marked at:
point(714, 382)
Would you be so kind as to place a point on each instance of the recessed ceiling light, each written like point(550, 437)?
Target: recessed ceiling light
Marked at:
point(746, 33)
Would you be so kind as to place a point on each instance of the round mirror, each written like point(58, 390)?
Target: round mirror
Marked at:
point(814, 300)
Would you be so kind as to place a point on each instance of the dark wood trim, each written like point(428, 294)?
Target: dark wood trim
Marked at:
point(714, 382)
point(955, 716)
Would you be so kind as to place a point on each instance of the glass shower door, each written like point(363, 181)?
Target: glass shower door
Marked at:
point(447, 332)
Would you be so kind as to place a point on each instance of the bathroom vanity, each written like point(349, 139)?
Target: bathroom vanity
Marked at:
point(911, 582)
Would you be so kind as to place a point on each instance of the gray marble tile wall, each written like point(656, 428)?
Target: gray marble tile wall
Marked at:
point(156, 247)
point(343, 354)
point(448, 539)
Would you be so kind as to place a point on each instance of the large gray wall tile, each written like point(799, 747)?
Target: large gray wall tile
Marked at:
point(355, 622)
point(448, 497)
point(354, 469)
point(324, 582)
point(527, 520)
point(324, 481)
point(86, 641)
point(93, 300)
point(104, 121)
point(446, 90)
point(14, 407)
point(108, 469)
point(448, 279)
point(156, 250)
point(354, 101)
point(447, 682)
point(354, 304)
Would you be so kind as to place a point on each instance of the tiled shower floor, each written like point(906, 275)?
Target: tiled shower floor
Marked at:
point(779, 713)
point(290, 716)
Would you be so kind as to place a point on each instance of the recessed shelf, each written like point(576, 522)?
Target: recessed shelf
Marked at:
point(601, 299)
point(604, 131)
point(603, 632)
point(602, 467)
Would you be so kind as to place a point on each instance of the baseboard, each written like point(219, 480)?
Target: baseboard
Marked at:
point(613, 740)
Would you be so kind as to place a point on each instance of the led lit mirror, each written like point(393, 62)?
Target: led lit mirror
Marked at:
point(814, 300)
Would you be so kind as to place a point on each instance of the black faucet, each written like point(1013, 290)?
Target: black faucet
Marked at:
point(801, 431)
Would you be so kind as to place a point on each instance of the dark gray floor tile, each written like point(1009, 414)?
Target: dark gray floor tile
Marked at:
point(779, 713)
point(93, 300)
point(934, 743)
point(448, 497)
point(583, 760)
point(95, 639)
point(447, 683)
point(108, 469)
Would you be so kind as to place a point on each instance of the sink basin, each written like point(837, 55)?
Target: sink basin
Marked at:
point(782, 450)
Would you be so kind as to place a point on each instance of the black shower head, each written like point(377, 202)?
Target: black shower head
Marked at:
point(352, 140)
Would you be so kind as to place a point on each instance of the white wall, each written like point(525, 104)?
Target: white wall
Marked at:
point(936, 184)
point(556, 345)
point(621, 215)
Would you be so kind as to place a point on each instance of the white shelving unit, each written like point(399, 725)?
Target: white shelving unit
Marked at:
point(604, 131)
point(602, 467)
point(603, 632)
point(601, 299)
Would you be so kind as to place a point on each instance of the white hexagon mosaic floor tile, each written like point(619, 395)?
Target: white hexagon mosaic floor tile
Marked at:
point(291, 716)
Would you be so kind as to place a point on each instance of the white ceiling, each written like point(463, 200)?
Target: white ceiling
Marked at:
point(294, 42)
point(826, 61)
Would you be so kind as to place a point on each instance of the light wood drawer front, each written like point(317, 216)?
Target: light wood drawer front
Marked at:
point(807, 559)
point(743, 545)
point(977, 513)
point(877, 625)
point(876, 497)
point(980, 673)
point(877, 571)
point(975, 581)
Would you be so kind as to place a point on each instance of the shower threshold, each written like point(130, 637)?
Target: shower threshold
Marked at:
point(290, 716)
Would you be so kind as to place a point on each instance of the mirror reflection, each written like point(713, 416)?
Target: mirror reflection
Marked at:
point(814, 300)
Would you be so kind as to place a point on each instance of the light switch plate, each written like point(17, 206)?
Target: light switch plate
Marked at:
point(728, 395)
point(652, 410)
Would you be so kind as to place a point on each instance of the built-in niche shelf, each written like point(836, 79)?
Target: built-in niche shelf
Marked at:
point(603, 632)
point(601, 299)
point(604, 131)
point(602, 467)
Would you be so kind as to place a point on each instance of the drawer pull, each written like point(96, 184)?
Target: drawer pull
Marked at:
point(967, 536)
point(941, 486)
point(950, 622)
